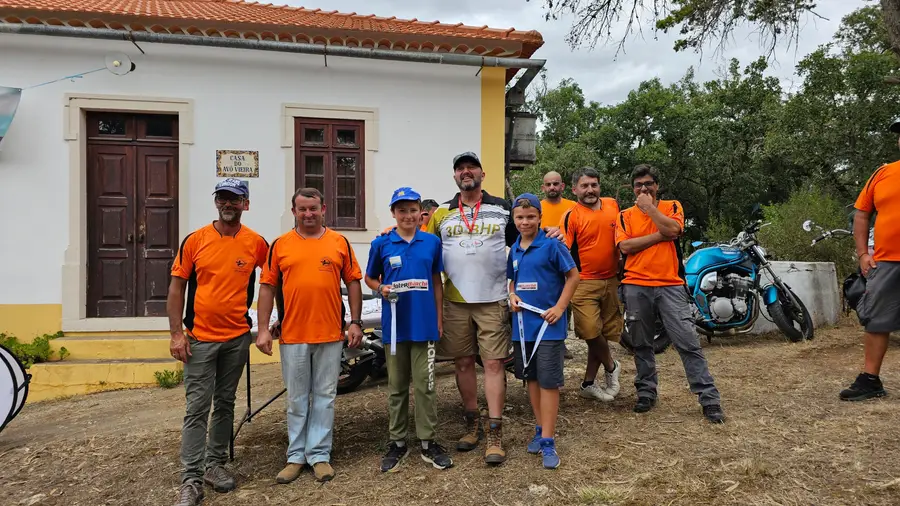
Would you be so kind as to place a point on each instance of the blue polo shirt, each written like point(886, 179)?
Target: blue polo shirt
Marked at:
point(539, 275)
point(410, 265)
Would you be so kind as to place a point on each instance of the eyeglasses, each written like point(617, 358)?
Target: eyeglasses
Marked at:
point(646, 184)
point(221, 200)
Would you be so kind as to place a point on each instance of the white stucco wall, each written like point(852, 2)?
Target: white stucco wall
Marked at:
point(815, 283)
point(427, 114)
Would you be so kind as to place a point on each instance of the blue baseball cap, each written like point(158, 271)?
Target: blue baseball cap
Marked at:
point(531, 198)
point(405, 193)
point(235, 186)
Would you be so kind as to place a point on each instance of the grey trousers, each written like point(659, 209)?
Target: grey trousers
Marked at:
point(211, 376)
point(674, 309)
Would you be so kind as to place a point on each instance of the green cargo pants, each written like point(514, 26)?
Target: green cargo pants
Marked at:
point(413, 362)
point(211, 377)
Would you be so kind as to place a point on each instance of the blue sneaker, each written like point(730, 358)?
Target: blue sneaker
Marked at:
point(548, 448)
point(534, 446)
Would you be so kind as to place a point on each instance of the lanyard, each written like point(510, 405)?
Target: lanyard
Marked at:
point(393, 297)
point(540, 335)
point(465, 219)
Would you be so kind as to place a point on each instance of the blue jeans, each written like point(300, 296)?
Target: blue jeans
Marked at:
point(310, 373)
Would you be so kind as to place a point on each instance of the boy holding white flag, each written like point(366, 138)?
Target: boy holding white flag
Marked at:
point(405, 268)
point(543, 278)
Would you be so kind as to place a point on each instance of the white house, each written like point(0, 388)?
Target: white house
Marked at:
point(105, 173)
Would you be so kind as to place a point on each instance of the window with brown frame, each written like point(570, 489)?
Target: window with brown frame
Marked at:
point(330, 156)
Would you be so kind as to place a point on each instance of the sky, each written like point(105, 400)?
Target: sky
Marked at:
point(604, 76)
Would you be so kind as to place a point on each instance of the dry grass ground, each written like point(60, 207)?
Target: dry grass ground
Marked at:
point(788, 440)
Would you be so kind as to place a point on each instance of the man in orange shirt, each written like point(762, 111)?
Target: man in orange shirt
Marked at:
point(217, 264)
point(554, 205)
point(308, 265)
point(879, 307)
point(590, 229)
point(647, 234)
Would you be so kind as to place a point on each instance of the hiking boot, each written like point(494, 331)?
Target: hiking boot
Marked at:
point(437, 456)
point(219, 479)
point(290, 473)
point(323, 471)
point(493, 453)
point(395, 454)
point(534, 446)
point(612, 379)
point(548, 450)
point(190, 494)
point(866, 386)
point(644, 404)
point(714, 413)
point(474, 432)
point(594, 391)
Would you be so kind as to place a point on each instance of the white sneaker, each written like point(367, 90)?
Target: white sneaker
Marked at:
point(595, 392)
point(612, 380)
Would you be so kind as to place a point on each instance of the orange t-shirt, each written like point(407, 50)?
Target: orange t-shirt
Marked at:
point(551, 213)
point(882, 194)
point(310, 272)
point(221, 274)
point(591, 237)
point(658, 264)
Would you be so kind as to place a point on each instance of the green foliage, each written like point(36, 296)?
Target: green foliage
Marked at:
point(35, 352)
point(169, 379)
point(786, 239)
point(724, 145)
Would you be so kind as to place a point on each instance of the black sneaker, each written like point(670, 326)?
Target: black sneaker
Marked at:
point(437, 456)
point(393, 457)
point(644, 404)
point(714, 413)
point(866, 386)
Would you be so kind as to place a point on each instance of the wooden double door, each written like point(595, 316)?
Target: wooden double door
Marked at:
point(132, 212)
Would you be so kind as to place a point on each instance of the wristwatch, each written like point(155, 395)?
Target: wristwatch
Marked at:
point(358, 322)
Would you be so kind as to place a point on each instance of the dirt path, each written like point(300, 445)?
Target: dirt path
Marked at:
point(788, 440)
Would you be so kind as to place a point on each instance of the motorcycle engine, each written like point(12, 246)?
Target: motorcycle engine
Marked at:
point(728, 297)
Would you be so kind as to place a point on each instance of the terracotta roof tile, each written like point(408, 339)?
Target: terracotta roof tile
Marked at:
point(255, 13)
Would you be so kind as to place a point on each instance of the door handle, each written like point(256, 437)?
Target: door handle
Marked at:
point(130, 238)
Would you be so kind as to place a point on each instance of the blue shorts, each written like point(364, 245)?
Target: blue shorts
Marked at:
point(546, 367)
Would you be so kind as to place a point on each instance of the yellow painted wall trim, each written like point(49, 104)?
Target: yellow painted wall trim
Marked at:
point(27, 321)
point(493, 126)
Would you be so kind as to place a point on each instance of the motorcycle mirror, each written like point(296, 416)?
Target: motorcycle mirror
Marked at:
point(807, 225)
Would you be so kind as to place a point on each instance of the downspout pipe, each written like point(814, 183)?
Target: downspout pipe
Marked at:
point(271, 45)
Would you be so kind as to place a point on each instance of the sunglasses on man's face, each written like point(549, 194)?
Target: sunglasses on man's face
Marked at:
point(645, 184)
point(232, 199)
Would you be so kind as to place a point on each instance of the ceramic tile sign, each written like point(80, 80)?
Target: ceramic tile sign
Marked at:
point(231, 163)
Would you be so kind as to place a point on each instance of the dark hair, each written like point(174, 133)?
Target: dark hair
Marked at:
point(310, 193)
point(429, 204)
point(584, 172)
point(644, 170)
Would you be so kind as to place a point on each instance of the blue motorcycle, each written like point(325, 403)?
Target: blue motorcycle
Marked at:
point(726, 286)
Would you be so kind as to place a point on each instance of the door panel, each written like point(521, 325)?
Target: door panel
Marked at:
point(110, 214)
point(157, 226)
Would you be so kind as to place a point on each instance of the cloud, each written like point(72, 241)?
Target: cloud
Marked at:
point(605, 76)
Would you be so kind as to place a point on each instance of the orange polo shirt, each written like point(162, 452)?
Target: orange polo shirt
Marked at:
point(882, 194)
point(658, 264)
point(310, 272)
point(221, 274)
point(591, 237)
point(551, 213)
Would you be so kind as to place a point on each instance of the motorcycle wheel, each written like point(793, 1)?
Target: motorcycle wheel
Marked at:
point(661, 340)
point(785, 315)
point(352, 379)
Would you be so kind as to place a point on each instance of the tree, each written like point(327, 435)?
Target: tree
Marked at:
point(697, 21)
